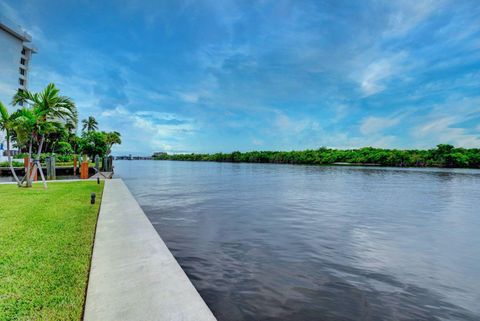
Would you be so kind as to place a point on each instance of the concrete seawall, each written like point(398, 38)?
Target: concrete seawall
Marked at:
point(133, 274)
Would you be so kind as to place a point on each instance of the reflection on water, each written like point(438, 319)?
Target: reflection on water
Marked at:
point(280, 242)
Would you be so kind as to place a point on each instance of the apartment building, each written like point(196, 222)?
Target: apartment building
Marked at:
point(15, 55)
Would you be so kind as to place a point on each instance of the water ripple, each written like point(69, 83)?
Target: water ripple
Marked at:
point(280, 242)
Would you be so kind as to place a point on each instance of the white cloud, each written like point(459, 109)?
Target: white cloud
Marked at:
point(407, 14)
point(340, 112)
point(468, 80)
point(445, 123)
point(436, 125)
point(148, 130)
point(196, 92)
point(11, 14)
point(38, 37)
point(285, 124)
point(215, 56)
point(373, 78)
point(155, 96)
point(372, 124)
point(189, 97)
point(257, 142)
point(344, 140)
point(444, 130)
point(388, 141)
point(80, 89)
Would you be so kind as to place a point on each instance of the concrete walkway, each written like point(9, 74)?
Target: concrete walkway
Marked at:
point(133, 275)
point(102, 175)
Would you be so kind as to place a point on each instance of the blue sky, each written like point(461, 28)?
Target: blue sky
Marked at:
point(209, 76)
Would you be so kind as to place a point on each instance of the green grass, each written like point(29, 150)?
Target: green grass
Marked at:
point(46, 239)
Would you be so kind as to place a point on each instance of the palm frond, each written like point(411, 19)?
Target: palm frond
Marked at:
point(24, 97)
point(4, 113)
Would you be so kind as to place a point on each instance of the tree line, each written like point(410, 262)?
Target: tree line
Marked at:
point(444, 155)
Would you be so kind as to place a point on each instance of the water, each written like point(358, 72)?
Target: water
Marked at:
point(281, 242)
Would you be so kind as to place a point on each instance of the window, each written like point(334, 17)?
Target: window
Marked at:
point(21, 81)
point(22, 71)
point(23, 51)
point(22, 61)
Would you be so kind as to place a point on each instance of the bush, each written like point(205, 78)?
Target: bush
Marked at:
point(64, 148)
point(15, 164)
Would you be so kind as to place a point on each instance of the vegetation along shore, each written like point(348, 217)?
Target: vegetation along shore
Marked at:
point(443, 155)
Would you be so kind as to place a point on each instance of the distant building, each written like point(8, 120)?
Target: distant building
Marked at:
point(15, 55)
point(130, 157)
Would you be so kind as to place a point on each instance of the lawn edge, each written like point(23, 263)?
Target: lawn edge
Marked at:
point(82, 316)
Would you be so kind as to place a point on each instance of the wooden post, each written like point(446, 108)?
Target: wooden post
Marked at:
point(53, 165)
point(35, 175)
point(97, 163)
point(51, 172)
point(110, 164)
point(75, 165)
point(47, 165)
point(84, 170)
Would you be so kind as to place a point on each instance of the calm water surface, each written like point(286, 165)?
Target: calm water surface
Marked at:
point(281, 242)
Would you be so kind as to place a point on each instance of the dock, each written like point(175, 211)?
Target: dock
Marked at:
point(133, 274)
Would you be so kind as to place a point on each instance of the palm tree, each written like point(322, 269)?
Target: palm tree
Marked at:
point(6, 123)
point(32, 124)
point(23, 123)
point(90, 124)
point(112, 138)
point(71, 128)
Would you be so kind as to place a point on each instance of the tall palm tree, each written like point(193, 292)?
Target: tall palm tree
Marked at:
point(6, 124)
point(23, 123)
point(112, 138)
point(70, 126)
point(46, 108)
point(72, 136)
point(90, 124)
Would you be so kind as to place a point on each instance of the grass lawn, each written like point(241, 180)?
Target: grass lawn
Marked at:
point(46, 239)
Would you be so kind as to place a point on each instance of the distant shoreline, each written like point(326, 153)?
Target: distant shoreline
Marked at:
point(443, 156)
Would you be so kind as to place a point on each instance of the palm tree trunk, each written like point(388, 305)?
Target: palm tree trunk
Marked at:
point(27, 173)
point(41, 175)
point(39, 152)
point(37, 162)
point(10, 163)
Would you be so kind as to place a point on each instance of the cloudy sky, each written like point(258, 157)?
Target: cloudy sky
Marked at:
point(208, 76)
